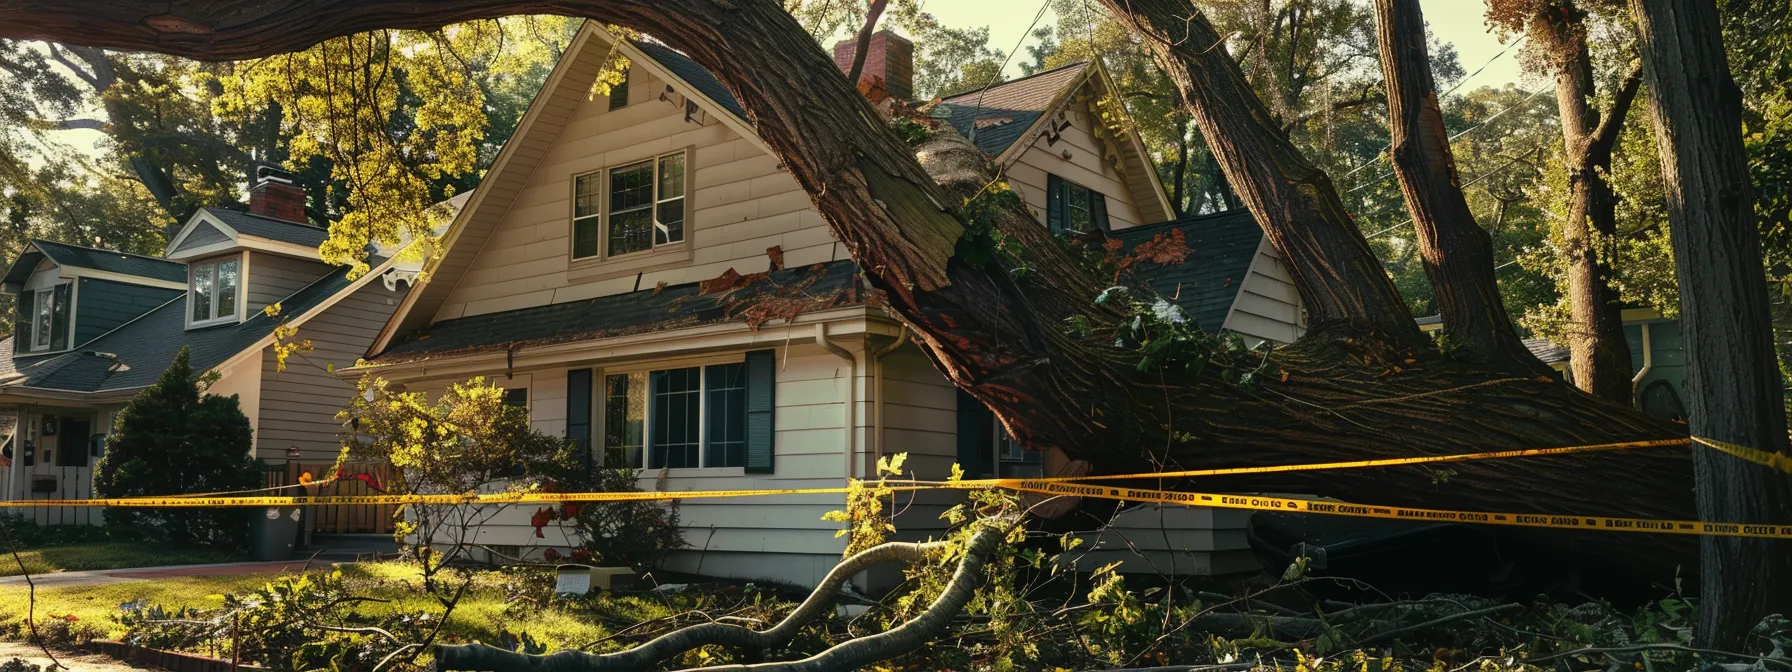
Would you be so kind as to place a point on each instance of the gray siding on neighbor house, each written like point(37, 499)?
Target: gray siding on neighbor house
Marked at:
point(299, 405)
point(273, 277)
point(203, 234)
point(103, 305)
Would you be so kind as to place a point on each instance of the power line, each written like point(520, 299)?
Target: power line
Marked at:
point(1471, 129)
point(978, 108)
point(1478, 179)
point(1446, 94)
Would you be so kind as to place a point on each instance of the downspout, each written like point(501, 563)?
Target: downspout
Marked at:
point(877, 385)
point(1648, 362)
point(821, 339)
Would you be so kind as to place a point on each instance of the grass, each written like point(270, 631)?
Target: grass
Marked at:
point(482, 615)
point(108, 555)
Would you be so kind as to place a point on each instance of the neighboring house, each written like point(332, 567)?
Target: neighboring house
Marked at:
point(641, 273)
point(1658, 382)
point(95, 327)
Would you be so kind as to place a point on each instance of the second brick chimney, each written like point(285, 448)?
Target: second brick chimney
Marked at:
point(889, 63)
point(273, 195)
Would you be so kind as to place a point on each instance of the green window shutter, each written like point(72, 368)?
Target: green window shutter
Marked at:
point(1054, 203)
point(975, 424)
point(762, 383)
point(1098, 210)
point(59, 319)
point(578, 412)
point(21, 336)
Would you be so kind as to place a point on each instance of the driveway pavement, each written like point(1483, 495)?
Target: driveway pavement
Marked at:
point(104, 576)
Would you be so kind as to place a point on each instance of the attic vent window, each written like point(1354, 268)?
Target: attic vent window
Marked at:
point(213, 294)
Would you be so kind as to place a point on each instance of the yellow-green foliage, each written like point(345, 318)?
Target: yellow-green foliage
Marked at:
point(864, 517)
point(339, 99)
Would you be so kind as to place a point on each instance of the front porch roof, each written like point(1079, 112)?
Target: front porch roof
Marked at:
point(752, 299)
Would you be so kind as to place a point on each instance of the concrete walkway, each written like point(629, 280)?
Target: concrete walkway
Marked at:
point(104, 576)
point(74, 660)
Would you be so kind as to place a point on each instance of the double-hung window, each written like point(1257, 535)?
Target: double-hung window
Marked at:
point(213, 293)
point(1074, 208)
point(630, 208)
point(676, 418)
point(44, 318)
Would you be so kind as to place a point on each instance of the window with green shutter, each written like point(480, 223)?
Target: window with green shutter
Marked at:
point(761, 409)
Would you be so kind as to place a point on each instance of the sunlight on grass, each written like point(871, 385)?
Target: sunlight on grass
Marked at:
point(481, 614)
point(109, 555)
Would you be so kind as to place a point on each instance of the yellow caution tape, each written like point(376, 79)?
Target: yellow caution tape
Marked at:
point(1352, 464)
point(1261, 503)
point(493, 498)
point(1776, 461)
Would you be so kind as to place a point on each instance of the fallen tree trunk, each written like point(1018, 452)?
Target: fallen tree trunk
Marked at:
point(850, 655)
point(1364, 383)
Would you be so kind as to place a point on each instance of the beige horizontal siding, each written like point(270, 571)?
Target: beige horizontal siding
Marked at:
point(1086, 167)
point(299, 405)
point(1267, 307)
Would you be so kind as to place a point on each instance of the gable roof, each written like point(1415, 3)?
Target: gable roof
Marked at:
point(566, 87)
point(134, 354)
point(107, 261)
point(996, 118)
point(1222, 247)
point(270, 228)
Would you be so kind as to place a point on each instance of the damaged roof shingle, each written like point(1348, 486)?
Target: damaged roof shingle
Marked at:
point(753, 299)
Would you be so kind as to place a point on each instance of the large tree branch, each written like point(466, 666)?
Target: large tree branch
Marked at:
point(850, 655)
point(1458, 253)
point(1342, 284)
point(863, 47)
point(1604, 139)
point(79, 124)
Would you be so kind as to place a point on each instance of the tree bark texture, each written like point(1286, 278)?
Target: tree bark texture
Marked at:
point(1457, 252)
point(1363, 384)
point(1733, 387)
point(1599, 354)
point(1345, 289)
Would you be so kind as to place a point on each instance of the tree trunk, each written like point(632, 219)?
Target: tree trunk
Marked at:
point(1598, 351)
point(1458, 253)
point(1733, 389)
point(1363, 384)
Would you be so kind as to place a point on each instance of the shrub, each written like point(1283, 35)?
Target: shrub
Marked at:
point(174, 439)
point(633, 534)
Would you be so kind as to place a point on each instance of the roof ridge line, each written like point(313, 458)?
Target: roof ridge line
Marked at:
point(101, 249)
point(1022, 78)
point(276, 219)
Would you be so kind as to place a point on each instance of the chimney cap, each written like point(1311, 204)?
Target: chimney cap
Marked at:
point(267, 172)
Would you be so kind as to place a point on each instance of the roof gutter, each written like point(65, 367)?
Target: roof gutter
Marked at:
point(877, 384)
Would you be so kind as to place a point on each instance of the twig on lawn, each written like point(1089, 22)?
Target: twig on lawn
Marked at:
point(1437, 621)
point(30, 598)
point(1661, 646)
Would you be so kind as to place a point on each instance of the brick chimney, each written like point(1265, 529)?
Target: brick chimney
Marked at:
point(889, 63)
point(274, 195)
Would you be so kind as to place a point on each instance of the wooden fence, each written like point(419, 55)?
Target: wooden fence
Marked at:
point(344, 519)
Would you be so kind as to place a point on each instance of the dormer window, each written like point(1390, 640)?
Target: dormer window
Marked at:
point(1073, 208)
point(213, 293)
point(631, 208)
point(43, 318)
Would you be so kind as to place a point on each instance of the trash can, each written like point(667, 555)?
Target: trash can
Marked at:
point(274, 532)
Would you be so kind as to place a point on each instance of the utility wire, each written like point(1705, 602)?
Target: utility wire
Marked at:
point(1527, 100)
point(1446, 94)
point(1478, 179)
point(978, 108)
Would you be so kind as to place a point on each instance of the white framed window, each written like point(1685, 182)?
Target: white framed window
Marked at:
point(45, 316)
point(213, 291)
point(630, 208)
point(682, 418)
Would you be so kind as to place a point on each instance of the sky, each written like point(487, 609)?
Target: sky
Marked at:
point(1458, 22)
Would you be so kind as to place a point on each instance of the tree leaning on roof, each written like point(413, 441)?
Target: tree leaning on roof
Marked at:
point(1364, 383)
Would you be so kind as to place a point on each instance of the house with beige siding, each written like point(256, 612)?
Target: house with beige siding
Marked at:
point(95, 327)
point(640, 271)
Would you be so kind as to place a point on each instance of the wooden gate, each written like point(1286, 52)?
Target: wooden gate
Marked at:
point(352, 480)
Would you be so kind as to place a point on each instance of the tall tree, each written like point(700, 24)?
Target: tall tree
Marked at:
point(1458, 253)
point(1119, 383)
point(1600, 356)
point(1734, 393)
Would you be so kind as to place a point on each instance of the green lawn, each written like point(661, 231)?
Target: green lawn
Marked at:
point(481, 614)
point(109, 555)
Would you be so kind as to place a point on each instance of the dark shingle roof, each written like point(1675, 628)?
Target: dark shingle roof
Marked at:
point(1001, 115)
point(774, 296)
point(271, 229)
point(113, 261)
point(696, 75)
point(1546, 350)
point(1221, 249)
point(134, 354)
